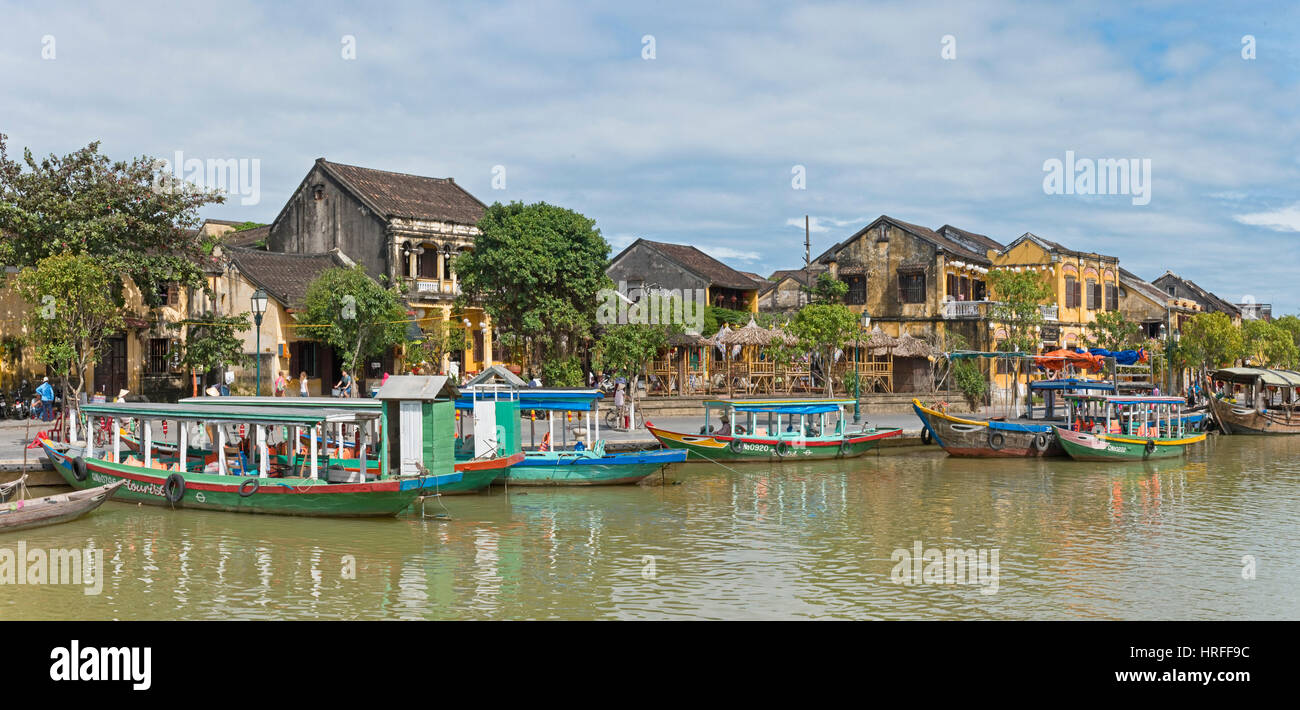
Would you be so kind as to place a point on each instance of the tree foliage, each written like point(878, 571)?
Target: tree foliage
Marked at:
point(440, 339)
point(118, 213)
point(827, 289)
point(824, 328)
point(1019, 294)
point(1111, 330)
point(349, 311)
point(72, 313)
point(1268, 345)
point(538, 270)
point(625, 349)
point(212, 341)
point(1208, 341)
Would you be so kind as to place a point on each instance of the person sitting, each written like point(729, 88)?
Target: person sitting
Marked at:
point(724, 428)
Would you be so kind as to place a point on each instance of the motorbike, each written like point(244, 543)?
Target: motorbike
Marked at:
point(21, 405)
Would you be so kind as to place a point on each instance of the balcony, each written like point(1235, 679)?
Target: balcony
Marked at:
point(432, 288)
point(1050, 313)
point(966, 310)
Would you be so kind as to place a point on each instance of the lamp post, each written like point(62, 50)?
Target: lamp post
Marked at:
point(259, 308)
point(857, 376)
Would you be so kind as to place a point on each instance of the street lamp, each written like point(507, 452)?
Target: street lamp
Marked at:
point(857, 376)
point(259, 308)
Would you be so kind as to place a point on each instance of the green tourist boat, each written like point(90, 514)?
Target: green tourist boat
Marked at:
point(217, 482)
point(779, 429)
point(1125, 428)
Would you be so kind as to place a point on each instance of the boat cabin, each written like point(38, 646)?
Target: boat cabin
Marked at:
point(1258, 388)
point(420, 417)
point(790, 419)
point(562, 403)
point(1123, 415)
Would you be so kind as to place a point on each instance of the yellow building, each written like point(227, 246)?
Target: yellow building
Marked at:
point(1083, 283)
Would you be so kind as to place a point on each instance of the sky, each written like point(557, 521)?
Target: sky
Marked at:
point(718, 124)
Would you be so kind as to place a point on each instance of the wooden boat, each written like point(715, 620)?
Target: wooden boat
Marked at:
point(986, 438)
point(590, 467)
point(793, 429)
point(1124, 428)
point(1254, 400)
point(215, 484)
point(50, 510)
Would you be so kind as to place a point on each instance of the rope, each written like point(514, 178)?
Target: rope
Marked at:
point(707, 457)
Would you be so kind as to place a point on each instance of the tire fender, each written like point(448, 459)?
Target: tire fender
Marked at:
point(174, 488)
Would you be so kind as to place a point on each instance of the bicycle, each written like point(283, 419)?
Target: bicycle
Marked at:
point(612, 419)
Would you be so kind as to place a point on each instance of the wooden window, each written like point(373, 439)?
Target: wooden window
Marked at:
point(1071, 292)
point(427, 264)
point(911, 287)
point(158, 349)
point(951, 284)
point(977, 290)
point(857, 294)
point(1112, 298)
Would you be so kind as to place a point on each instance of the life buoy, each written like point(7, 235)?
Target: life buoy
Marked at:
point(926, 438)
point(1150, 448)
point(996, 440)
point(78, 468)
point(736, 446)
point(244, 489)
point(1042, 441)
point(174, 488)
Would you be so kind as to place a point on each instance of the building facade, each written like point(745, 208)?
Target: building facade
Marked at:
point(646, 266)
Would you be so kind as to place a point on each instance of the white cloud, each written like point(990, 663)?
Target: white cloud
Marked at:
point(1286, 219)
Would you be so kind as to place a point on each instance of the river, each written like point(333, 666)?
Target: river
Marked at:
point(1213, 536)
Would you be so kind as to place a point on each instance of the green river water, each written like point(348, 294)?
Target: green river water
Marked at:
point(800, 541)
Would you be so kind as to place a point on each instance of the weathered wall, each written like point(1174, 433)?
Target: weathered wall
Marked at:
point(641, 263)
point(336, 220)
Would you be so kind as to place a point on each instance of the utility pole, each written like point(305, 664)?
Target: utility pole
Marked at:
point(807, 259)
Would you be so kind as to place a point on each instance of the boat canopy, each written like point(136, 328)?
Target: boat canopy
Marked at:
point(228, 413)
point(344, 403)
point(1248, 375)
point(1072, 383)
point(543, 399)
point(781, 406)
point(1126, 399)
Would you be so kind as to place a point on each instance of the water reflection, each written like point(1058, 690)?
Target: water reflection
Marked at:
point(804, 540)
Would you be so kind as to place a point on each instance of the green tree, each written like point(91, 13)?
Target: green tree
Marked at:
point(350, 312)
point(1290, 324)
point(1208, 341)
point(538, 270)
point(211, 341)
point(72, 313)
point(824, 328)
point(125, 215)
point(716, 316)
point(1112, 331)
point(1268, 345)
point(441, 339)
point(625, 349)
point(827, 289)
point(971, 382)
point(1019, 294)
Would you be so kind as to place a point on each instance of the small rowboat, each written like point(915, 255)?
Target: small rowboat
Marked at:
point(37, 512)
point(590, 468)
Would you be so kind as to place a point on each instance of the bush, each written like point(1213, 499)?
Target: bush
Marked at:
point(971, 382)
point(566, 372)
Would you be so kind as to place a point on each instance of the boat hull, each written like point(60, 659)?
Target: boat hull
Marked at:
point(710, 447)
point(1242, 420)
point(987, 439)
point(577, 469)
point(272, 496)
point(1082, 446)
point(478, 476)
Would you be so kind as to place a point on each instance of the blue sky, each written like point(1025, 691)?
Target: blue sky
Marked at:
point(697, 144)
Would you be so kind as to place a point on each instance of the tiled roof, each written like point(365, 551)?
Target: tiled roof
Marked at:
point(285, 277)
point(1052, 246)
point(1130, 279)
point(1209, 298)
point(246, 238)
point(403, 195)
point(952, 245)
point(978, 243)
point(703, 265)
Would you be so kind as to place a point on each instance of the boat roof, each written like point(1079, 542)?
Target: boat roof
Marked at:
point(1247, 375)
point(780, 406)
point(327, 402)
point(555, 399)
point(229, 413)
point(1128, 398)
point(421, 387)
point(1072, 383)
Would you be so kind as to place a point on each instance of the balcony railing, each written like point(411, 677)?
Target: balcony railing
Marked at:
point(975, 310)
point(434, 287)
point(1049, 312)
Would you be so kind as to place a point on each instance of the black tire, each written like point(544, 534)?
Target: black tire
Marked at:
point(79, 469)
point(1150, 448)
point(846, 447)
point(1042, 441)
point(735, 446)
point(245, 491)
point(996, 440)
point(174, 488)
point(926, 438)
point(783, 449)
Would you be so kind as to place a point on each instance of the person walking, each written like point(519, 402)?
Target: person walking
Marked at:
point(280, 383)
point(302, 384)
point(344, 385)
